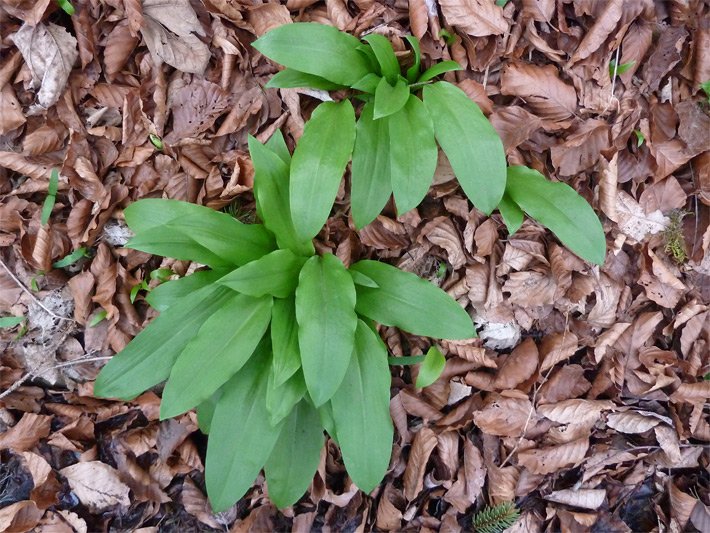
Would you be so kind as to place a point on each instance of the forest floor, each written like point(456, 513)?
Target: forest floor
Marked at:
point(585, 399)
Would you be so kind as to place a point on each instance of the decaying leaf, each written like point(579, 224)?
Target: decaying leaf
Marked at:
point(97, 485)
point(582, 498)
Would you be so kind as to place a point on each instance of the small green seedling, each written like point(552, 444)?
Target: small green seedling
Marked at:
point(72, 257)
point(160, 274)
point(706, 89)
point(640, 138)
point(51, 196)
point(98, 318)
point(431, 368)
point(11, 321)
point(66, 6)
point(449, 37)
point(273, 343)
point(156, 141)
point(393, 144)
point(618, 70)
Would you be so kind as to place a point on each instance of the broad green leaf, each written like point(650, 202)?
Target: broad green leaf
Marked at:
point(325, 302)
point(618, 70)
point(368, 84)
point(205, 411)
point(277, 144)
point(166, 294)
point(413, 154)
point(71, 258)
point(408, 302)
point(473, 147)
point(241, 437)
point(11, 321)
point(431, 368)
point(371, 184)
point(362, 279)
point(295, 457)
point(413, 71)
point(284, 340)
point(51, 198)
point(315, 49)
point(361, 411)
point(390, 98)
point(276, 274)
point(557, 206)
point(149, 357)
point(318, 165)
point(512, 214)
point(389, 66)
point(290, 78)
point(325, 413)
point(271, 186)
point(406, 361)
point(438, 69)
point(368, 53)
point(224, 343)
point(195, 233)
point(281, 399)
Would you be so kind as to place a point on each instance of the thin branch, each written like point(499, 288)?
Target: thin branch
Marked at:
point(34, 298)
point(40, 371)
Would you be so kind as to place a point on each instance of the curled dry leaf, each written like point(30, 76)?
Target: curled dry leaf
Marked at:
point(520, 366)
point(424, 443)
point(660, 282)
point(442, 232)
point(479, 18)
point(692, 392)
point(575, 411)
point(505, 417)
point(20, 516)
point(168, 30)
point(682, 504)
point(631, 422)
point(50, 52)
point(97, 485)
point(634, 221)
point(582, 498)
point(554, 458)
point(195, 107)
point(26, 433)
point(268, 16)
point(557, 347)
point(604, 24)
point(547, 94)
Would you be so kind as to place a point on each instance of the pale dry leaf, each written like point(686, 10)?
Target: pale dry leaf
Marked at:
point(474, 469)
point(608, 186)
point(548, 96)
point(539, 10)
point(134, 15)
point(337, 13)
point(119, 46)
point(554, 458)
point(442, 232)
point(20, 516)
point(515, 125)
point(50, 52)
point(169, 28)
point(700, 517)
point(389, 517)
point(681, 504)
point(11, 115)
point(664, 196)
point(557, 347)
point(604, 24)
point(37, 466)
point(565, 383)
point(634, 221)
point(505, 417)
point(424, 443)
point(97, 485)
point(518, 367)
point(608, 338)
point(582, 498)
point(631, 422)
point(26, 433)
point(418, 17)
point(575, 410)
point(502, 483)
point(531, 288)
point(661, 283)
point(692, 392)
point(29, 11)
point(668, 440)
point(268, 16)
point(197, 504)
point(582, 148)
point(478, 18)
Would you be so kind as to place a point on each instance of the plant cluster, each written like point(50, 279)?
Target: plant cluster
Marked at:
point(273, 343)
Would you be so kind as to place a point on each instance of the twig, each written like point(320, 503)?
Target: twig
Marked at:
point(39, 371)
point(34, 298)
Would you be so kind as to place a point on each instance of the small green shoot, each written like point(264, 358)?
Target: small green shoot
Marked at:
point(72, 257)
point(161, 274)
point(51, 196)
point(618, 70)
point(441, 271)
point(501, 3)
point(495, 519)
point(449, 37)
point(640, 138)
point(11, 321)
point(706, 88)
point(98, 318)
point(156, 141)
point(66, 6)
point(431, 369)
point(706, 377)
point(34, 285)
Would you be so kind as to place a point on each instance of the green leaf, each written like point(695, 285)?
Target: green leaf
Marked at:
point(390, 98)
point(413, 154)
point(473, 147)
point(389, 66)
point(438, 69)
point(512, 214)
point(413, 71)
point(371, 184)
point(325, 301)
point(241, 437)
point(99, 317)
point(640, 138)
point(315, 49)
point(276, 274)
point(166, 294)
point(271, 186)
point(277, 144)
point(148, 358)
point(290, 78)
point(705, 86)
point(318, 165)
point(281, 399)
point(406, 361)
point(295, 457)
point(195, 233)
point(447, 36)
point(156, 141)
point(368, 83)
point(431, 368)
point(11, 321)
point(325, 413)
point(284, 340)
point(362, 279)
point(71, 258)
point(618, 70)
point(66, 6)
point(557, 206)
point(205, 411)
point(408, 302)
point(52, 189)
point(361, 411)
point(224, 343)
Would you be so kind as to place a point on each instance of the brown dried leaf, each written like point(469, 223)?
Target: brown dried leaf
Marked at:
point(557, 347)
point(119, 46)
point(195, 107)
point(700, 517)
point(604, 24)
point(681, 504)
point(582, 149)
point(424, 443)
point(418, 17)
point(575, 411)
point(20, 517)
point(134, 15)
point(168, 30)
point(515, 125)
point(548, 96)
point(691, 392)
point(505, 417)
point(634, 221)
point(631, 422)
point(442, 232)
point(97, 485)
point(29, 11)
point(501, 483)
point(518, 367)
point(11, 115)
point(50, 52)
point(660, 282)
point(664, 196)
point(554, 458)
point(582, 498)
point(474, 470)
point(479, 18)
point(26, 433)
point(268, 16)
